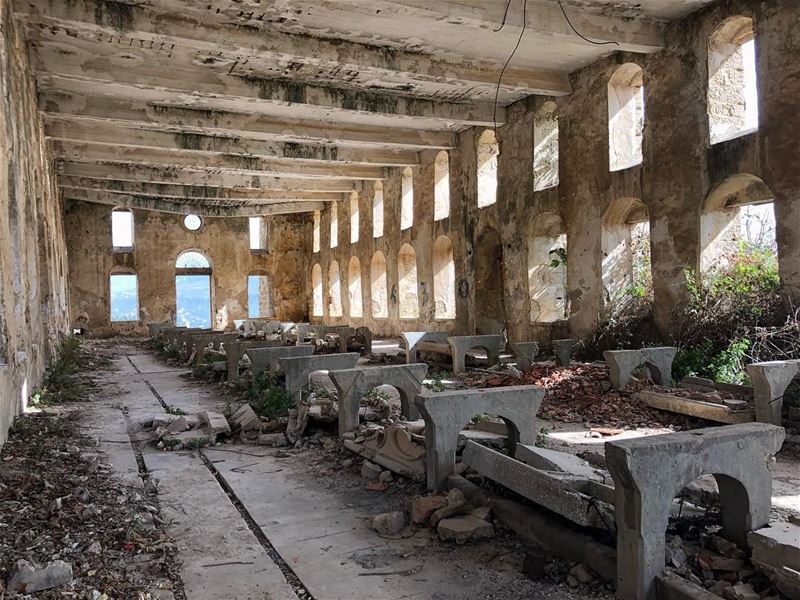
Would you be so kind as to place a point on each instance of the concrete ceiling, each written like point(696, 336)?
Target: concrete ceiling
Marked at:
point(234, 107)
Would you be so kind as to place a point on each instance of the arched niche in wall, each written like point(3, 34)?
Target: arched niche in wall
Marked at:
point(489, 283)
point(625, 244)
point(317, 296)
point(354, 288)
point(547, 269)
point(334, 290)
point(379, 286)
point(444, 278)
point(407, 282)
point(545, 147)
point(625, 117)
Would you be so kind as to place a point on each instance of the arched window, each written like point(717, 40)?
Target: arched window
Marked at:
point(316, 231)
point(317, 294)
point(441, 189)
point(354, 288)
point(334, 224)
point(124, 296)
point(732, 80)
point(488, 151)
point(625, 117)
point(444, 279)
point(121, 229)
point(334, 290)
point(625, 241)
point(259, 297)
point(407, 199)
point(379, 286)
point(545, 147)
point(193, 289)
point(547, 269)
point(407, 284)
point(354, 217)
point(377, 209)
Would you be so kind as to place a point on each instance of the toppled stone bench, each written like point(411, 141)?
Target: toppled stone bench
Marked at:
point(299, 368)
point(622, 364)
point(525, 352)
point(650, 471)
point(461, 344)
point(447, 413)
point(266, 359)
point(235, 352)
point(563, 351)
point(770, 380)
point(353, 384)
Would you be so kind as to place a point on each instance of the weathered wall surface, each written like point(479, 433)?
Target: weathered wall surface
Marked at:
point(33, 268)
point(158, 240)
point(679, 171)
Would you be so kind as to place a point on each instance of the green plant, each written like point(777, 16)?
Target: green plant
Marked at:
point(61, 382)
point(174, 410)
point(268, 398)
point(196, 443)
point(541, 437)
point(558, 258)
point(434, 380)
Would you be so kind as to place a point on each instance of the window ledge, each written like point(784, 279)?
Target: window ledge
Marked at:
point(122, 249)
point(262, 251)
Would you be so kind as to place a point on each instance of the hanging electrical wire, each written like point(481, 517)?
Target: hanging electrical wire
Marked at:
point(578, 33)
point(510, 56)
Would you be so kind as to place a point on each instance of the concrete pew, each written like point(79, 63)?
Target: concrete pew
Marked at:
point(461, 344)
point(770, 380)
point(182, 338)
point(298, 369)
point(252, 327)
point(235, 351)
point(622, 364)
point(353, 384)
point(297, 333)
point(650, 471)
point(433, 341)
point(196, 343)
point(266, 359)
point(525, 352)
point(563, 350)
point(155, 329)
point(447, 413)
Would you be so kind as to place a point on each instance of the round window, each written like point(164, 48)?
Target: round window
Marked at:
point(192, 222)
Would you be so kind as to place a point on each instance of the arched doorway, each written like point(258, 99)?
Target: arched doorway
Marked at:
point(489, 304)
point(193, 290)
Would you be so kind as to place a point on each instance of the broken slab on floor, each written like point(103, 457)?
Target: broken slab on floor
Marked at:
point(266, 359)
point(696, 408)
point(622, 364)
point(553, 460)
point(394, 448)
point(776, 552)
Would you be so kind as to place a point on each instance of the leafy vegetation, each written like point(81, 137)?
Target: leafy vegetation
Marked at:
point(268, 397)
point(61, 382)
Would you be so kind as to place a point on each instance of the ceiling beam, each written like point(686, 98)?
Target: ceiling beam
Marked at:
point(288, 51)
point(117, 133)
point(245, 165)
point(190, 177)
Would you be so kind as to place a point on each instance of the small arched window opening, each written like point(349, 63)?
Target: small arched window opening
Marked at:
point(407, 282)
point(258, 234)
point(379, 286)
point(193, 289)
point(377, 209)
point(317, 293)
point(444, 279)
point(334, 290)
point(441, 188)
point(407, 199)
point(488, 151)
point(354, 217)
point(259, 297)
point(354, 288)
point(625, 241)
point(193, 222)
point(334, 224)
point(547, 269)
point(122, 230)
point(625, 117)
point(732, 80)
point(124, 296)
point(316, 242)
point(738, 220)
point(545, 147)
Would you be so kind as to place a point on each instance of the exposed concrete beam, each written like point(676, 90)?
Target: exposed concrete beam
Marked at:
point(204, 208)
point(116, 133)
point(98, 63)
point(292, 54)
point(196, 192)
point(245, 165)
point(186, 176)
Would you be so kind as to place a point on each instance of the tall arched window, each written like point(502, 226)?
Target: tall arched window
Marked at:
point(124, 296)
point(547, 271)
point(354, 288)
point(625, 241)
point(407, 284)
point(334, 290)
point(334, 224)
point(379, 286)
point(354, 217)
point(545, 147)
point(444, 278)
point(732, 80)
point(407, 199)
point(317, 293)
point(488, 150)
point(377, 209)
point(441, 188)
point(625, 117)
point(316, 231)
point(122, 229)
point(193, 290)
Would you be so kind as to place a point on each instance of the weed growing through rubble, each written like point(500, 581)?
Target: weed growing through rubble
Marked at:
point(196, 443)
point(268, 398)
point(434, 380)
point(541, 437)
point(61, 383)
point(174, 410)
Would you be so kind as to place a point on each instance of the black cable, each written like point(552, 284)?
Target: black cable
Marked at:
point(505, 14)
point(578, 33)
point(513, 52)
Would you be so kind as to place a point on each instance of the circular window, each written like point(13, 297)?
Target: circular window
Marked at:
point(192, 222)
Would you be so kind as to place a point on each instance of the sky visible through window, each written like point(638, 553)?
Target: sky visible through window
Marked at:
point(122, 229)
point(124, 298)
point(193, 300)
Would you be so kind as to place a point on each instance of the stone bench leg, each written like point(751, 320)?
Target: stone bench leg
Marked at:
point(563, 351)
point(770, 380)
point(235, 354)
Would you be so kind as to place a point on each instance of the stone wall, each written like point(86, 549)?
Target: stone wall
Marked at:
point(158, 240)
point(33, 267)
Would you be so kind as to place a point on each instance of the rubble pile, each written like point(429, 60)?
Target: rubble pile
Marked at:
point(72, 529)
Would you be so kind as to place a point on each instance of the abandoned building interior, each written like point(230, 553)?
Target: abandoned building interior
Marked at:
point(383, 299)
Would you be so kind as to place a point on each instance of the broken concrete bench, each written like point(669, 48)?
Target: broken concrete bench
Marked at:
point(433, 341)
point(182, 338)
point(353, 384)
point(622, 364)
point(770, 380)
point(297, 333)
point(461, 344)
point(447, 413)
point(235, 352)
point(196, 343)
point(266, 359)
point(650, 471)
point(155, 329)
point(563, 349)
point(299, 368)
point(525, 352)
point(252, 327)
